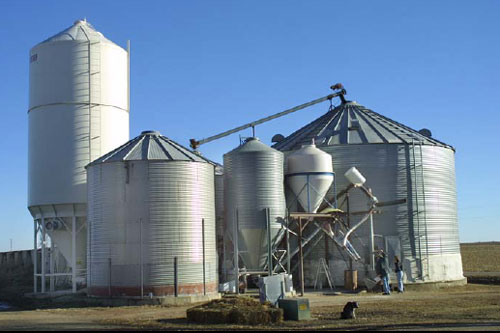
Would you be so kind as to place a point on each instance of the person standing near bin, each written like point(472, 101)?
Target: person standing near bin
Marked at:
point(382, 270)
point(399, 273)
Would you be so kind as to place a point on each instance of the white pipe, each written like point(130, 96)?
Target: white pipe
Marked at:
point(370, 211)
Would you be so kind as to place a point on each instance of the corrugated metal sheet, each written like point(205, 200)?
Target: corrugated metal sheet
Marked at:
point(169, 199)
point(253, 181)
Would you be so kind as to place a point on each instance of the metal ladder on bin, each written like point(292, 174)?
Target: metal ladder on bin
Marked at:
point(323, 269)
point(412, 141)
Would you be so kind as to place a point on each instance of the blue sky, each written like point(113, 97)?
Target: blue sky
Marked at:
point(201, 67)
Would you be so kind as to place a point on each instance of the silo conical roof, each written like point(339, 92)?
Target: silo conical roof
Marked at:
point(251, 144)
point(79, 31)
point(151, 145)
point(352, 123)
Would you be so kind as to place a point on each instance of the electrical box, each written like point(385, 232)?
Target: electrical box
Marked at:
point(295, 308)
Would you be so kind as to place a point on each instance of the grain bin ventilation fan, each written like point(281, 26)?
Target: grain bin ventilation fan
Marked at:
point(54, 224)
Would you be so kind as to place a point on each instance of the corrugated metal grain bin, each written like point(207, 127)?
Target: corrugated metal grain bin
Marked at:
point(151, 202)
point(253, 182)
point(398, 163)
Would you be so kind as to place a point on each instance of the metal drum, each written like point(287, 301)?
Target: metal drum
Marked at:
point(151, 214)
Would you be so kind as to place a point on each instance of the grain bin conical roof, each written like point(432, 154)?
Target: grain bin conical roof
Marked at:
point(352, 123)
point(151, 145)
point(81, 30)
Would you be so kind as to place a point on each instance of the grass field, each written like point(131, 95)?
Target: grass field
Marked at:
point(481, 257)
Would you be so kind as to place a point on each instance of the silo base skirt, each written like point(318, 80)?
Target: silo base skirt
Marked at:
point(154, 291)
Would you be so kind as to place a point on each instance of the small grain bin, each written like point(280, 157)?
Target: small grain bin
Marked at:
point(253, 182)
point(151, 215)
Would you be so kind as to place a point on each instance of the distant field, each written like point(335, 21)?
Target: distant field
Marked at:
point(481, 257)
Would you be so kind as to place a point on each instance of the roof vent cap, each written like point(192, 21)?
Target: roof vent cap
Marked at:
point(150, 133)
point(425, 132)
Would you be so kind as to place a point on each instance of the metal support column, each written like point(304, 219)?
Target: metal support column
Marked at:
point(288, 244)
point(140, 258)
point(203, 246)
point(176, 278)
point(372, 241)
point(348, 224)
point(52, 271)
point(73, 253)
point(301, 259)
point(109, 277)
point(224, 257)
point(35, 257)
point(269, 243)
point(44, 231)
point(236, 254)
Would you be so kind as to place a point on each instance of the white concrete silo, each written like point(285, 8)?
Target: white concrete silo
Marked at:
point(78, 111)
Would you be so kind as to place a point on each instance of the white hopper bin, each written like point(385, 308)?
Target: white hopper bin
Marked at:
point(309, 175)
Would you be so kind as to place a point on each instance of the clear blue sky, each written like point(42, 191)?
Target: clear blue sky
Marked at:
point(201, 67)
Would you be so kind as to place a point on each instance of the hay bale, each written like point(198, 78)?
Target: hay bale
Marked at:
point(235, 310)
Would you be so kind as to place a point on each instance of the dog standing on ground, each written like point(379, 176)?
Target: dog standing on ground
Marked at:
point(349, 310)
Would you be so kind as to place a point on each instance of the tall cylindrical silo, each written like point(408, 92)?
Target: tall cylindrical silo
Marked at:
point(151, 215)
point(78, 110)
point(399, 164)
point(253, 182)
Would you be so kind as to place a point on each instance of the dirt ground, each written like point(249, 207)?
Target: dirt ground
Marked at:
point(471, 307)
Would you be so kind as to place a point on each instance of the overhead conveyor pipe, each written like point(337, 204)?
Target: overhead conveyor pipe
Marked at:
point(340, 93)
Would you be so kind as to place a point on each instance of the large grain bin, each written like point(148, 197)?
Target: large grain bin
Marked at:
point(151, 207)
point(398, 163)
point(253, 182)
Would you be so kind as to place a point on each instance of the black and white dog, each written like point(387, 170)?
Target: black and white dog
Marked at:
point(349, 310)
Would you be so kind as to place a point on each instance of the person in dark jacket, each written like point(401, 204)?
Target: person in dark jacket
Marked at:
point(382, 270)
point(399, 273)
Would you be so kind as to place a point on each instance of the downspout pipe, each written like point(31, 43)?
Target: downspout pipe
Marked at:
point(373, 205)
